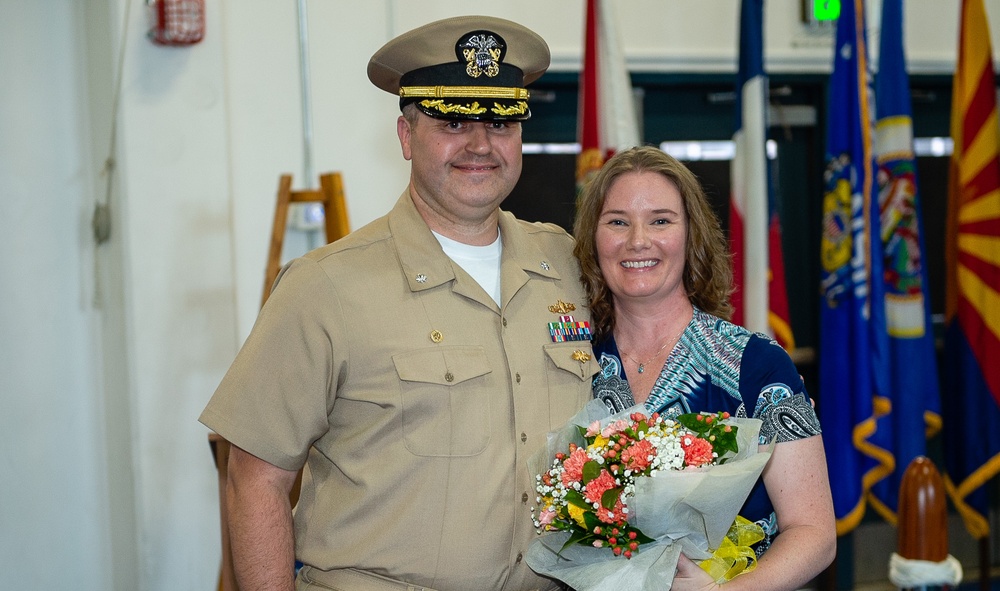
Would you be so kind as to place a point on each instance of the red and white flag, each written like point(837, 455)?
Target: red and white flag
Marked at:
point(760, 300)
point(607, 120)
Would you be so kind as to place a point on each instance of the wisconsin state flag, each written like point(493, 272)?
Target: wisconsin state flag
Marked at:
point(853, 350)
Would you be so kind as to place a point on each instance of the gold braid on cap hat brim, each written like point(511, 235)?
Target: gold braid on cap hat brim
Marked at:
point(488, 92)
point(519, 108)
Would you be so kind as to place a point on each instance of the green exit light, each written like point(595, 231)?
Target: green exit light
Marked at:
point(826, 10)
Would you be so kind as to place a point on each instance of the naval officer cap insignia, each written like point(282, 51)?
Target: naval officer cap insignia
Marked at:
point(467, 67)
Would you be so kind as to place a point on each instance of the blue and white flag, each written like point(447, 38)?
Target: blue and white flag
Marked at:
point(853, 352)
point(915, 394)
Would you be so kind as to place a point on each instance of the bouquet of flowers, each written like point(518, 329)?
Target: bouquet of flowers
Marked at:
point(626, 494)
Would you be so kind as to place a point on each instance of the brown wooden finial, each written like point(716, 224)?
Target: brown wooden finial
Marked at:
point(923, 515)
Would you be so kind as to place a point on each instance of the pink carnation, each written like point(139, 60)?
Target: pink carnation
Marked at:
point(615, 515)
point(614, 428)
point(593, 428)
point(547, 516)
point(596, 489)
point(697, 451)
point(573, 467)
point(598, 486)
point(637, 457)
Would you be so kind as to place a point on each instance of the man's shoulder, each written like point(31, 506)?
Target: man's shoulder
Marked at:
point(542, 232)
point(542, 228)
point(374, 234)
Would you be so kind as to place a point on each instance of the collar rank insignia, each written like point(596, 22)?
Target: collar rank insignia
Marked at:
point(568, 329)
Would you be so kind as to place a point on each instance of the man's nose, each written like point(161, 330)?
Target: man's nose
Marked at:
point(479, 139)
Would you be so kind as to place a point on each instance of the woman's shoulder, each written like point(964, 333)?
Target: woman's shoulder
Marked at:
point(727, 334)
point(716, 332)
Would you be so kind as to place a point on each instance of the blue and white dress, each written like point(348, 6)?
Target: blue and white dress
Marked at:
point(718, 366)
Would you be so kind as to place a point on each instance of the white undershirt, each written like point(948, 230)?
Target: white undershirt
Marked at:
point(481, 262)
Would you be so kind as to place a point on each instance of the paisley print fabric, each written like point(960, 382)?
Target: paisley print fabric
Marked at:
point(610, 387)
point(785, 416)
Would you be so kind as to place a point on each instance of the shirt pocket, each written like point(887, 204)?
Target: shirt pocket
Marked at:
point(572, 368)
point(444, 400)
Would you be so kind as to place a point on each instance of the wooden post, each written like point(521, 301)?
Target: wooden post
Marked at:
point(923, 513)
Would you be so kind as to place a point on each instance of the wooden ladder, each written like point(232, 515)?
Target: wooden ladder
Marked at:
point(330, 194)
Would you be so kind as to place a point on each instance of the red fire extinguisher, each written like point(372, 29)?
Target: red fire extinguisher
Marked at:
point(176, 22)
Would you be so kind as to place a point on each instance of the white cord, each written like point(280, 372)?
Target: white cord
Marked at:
point(905, 573)
point(100, 221)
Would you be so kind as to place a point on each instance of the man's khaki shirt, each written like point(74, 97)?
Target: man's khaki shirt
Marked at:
point(412, 399)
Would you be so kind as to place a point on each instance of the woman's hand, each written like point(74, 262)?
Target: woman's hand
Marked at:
point(691, 577)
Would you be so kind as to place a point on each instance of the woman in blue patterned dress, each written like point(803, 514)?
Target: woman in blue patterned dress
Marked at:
point(657, 271)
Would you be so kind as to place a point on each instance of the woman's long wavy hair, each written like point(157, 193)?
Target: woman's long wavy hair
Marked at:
point(708, 274)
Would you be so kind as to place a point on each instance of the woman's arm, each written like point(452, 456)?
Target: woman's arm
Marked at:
point(797, 483)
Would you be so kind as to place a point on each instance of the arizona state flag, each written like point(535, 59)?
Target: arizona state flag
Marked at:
point(853, 365)
point(972, 310)
point(760, 301)
point(915, 394)
point(606, 120)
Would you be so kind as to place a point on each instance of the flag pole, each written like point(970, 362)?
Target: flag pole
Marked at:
point(305, 89)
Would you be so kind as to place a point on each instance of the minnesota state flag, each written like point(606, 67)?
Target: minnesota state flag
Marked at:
point(853, 349)
point(972, 263)
point(915, 393)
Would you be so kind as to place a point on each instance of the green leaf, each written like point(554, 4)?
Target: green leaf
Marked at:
point(577, 537)
point(591, 470)
point(691, 422)
point(575, 498)
point(610, 497)
point(725, 442)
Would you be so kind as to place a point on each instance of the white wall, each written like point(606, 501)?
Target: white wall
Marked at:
point(52, 469)
point(108, 354)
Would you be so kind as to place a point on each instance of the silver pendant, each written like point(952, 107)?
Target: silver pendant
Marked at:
point(642, 367)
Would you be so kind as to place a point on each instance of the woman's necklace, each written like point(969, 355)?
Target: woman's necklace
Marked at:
point(642, 364)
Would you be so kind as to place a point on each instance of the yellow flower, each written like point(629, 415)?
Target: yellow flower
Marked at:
point(599, 443)
point(577, 514)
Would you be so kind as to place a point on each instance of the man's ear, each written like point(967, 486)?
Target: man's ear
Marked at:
point(403, 131)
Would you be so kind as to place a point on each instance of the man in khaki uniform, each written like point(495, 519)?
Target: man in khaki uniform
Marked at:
point(413, 367)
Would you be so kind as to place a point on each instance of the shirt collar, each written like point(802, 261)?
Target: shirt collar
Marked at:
point(425, 265)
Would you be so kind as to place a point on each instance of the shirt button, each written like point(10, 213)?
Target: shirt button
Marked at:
point(517, 377)
point(524, 437)
point(448, 377)
point(518, 559)
point(504, 322)
point(524, 498)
